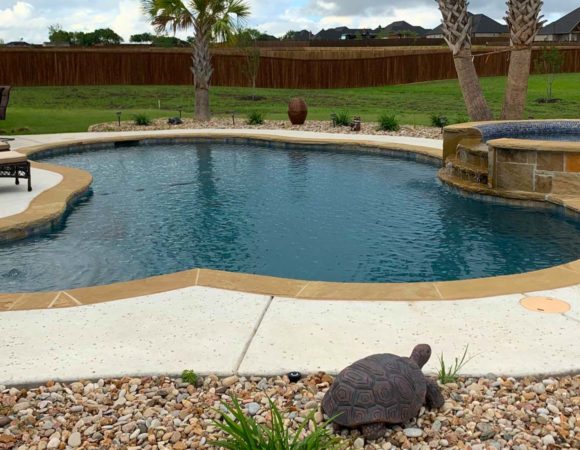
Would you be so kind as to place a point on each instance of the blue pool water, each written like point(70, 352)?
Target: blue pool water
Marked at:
point(297, 213)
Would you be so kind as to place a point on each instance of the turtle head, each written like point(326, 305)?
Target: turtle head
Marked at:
point(421, 354)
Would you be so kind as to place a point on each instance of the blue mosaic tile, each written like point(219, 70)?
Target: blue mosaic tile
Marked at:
point(550, 130)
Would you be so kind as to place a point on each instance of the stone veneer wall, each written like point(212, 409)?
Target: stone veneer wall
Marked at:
point(529, 169)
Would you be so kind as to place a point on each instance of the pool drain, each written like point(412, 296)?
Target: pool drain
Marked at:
point(545, 305)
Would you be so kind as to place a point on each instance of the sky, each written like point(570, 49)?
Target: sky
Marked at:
point(29, 19)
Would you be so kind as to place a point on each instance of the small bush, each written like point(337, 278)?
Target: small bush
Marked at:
point(343, 119)
point(439, 121)
point(142, 120)
point(255, 118)
point(246, 434)
point(388, 122)
point(189, 376)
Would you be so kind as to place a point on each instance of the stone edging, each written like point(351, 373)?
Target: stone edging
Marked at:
point(50, 206)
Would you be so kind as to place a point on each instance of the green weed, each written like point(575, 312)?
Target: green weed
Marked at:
point(246, 434)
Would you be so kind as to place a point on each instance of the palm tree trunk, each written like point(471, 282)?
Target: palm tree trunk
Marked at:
point(517, 84)
point(202, 72)
point(523, 19)
point(202, 105)
point(477, 108)
point(456, 29)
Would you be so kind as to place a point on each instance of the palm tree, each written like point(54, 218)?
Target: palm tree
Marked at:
point(457, 33)
point(211, 20)
point(523, 19)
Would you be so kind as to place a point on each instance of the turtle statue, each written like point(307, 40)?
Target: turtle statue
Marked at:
point(380, 390)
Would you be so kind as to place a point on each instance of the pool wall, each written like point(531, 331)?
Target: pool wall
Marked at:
point(50, 207)
point(543, 167)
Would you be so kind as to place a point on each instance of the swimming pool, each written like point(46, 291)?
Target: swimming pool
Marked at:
point(294, 212)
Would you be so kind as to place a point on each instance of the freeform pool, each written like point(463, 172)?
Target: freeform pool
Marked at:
point(293, 212)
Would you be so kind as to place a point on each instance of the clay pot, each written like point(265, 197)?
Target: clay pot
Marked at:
point(297, 111)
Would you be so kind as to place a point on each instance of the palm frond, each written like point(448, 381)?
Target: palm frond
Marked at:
point(164, 14)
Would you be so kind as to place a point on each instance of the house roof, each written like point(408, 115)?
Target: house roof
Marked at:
point(334, 34)
point(563, 25)
point(480, 24)
point(302, 35)
point(401, 25)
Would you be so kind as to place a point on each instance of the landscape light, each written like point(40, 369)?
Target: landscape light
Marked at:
point(119, 117)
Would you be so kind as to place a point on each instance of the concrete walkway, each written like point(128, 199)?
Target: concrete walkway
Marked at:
point(29, 140)
point(224, 332)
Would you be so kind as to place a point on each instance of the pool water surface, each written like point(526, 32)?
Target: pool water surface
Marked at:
point(292, 212)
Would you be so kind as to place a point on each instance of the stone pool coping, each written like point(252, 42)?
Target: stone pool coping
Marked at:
point(51, 205)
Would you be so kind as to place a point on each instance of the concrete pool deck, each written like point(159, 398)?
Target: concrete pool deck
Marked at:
point(224, 332)
point(199, 320)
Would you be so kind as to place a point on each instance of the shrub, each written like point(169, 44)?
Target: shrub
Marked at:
point(189, 376)
point(437, 120)
point(343, 119)
point(451, 374)
point(388, 122)
point(142, 120)
point(255, 118)
point(246, 434)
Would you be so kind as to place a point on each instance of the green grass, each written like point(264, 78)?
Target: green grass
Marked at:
point(65, 109)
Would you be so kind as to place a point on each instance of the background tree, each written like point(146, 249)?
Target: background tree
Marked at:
point(246, 40)
point(142, 37)
point(57, 35)
point(550, 63)
point(102, 36)
point(106, 36)
point(169, 42)
point(210, 20)
point(457, 33)
point(523, 19)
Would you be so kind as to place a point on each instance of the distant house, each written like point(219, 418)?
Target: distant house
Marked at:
point(344, 33)
point(401, 29)
point(303, 35)
point(18, 44)
point(333, 34)
point(565, 29)
point(354, 34)
point(482, 26)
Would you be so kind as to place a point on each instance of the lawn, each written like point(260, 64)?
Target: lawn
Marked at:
point(68, 109)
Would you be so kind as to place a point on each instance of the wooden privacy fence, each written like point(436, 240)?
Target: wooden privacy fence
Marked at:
point(67, 67)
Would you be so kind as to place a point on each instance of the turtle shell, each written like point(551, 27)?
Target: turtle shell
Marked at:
point(382, 388)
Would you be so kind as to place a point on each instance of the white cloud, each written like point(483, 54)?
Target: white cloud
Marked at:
point(29, 19)
point(19, 21)
point(130, 19)
point(15, 15)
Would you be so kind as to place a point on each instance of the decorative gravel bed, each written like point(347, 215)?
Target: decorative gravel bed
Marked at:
point(310, 125)
point(164, 413)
